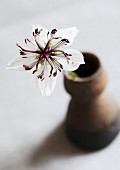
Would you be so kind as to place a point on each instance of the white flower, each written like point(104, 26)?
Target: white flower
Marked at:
point(44, 55)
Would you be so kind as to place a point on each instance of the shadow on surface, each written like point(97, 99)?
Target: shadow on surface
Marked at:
point(56, 145)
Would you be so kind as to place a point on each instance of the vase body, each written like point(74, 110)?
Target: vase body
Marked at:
point(93, 118)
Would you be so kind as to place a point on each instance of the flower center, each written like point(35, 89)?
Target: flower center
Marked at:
point(46, 55)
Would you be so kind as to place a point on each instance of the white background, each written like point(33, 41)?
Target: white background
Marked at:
point(31, 127)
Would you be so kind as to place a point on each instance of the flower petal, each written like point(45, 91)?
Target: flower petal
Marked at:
point(42, 37)
point(68, 33)
point(47, 85)
point(18, 62)
point(30, 44)
point(75, 60)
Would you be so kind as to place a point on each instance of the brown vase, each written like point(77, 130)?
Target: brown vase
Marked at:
point(93, 118)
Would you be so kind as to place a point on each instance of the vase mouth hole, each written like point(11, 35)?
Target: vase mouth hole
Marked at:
point(91, 66)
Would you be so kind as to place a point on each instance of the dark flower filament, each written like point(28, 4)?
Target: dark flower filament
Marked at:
point(45, 55)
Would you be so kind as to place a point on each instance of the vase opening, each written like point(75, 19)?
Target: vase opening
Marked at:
point(92, 64)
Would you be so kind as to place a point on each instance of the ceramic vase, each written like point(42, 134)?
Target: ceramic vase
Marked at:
point(93, 118)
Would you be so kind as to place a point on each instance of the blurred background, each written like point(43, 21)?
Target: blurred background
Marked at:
point(31, 127)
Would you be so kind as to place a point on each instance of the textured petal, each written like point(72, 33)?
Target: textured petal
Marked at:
point(68, 33)
point(42, 38)
point(75, 60)
point(18, 62)
point(47, 85)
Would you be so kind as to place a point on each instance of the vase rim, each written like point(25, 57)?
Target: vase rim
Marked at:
point(86, 78)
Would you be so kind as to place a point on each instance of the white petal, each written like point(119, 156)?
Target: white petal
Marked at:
point(47, 85)
point(42, 38)
point(68, 33)
point(31, 45)
point(75, 60)
point(18, 62)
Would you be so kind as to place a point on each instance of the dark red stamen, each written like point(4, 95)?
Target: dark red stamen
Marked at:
point(45, 54)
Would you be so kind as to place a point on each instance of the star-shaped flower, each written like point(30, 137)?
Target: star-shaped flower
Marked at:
point(45, 56)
